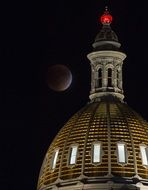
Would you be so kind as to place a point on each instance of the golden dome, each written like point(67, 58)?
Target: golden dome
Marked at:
point(108, 122)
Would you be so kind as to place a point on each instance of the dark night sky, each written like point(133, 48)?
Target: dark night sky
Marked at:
point(39, 34)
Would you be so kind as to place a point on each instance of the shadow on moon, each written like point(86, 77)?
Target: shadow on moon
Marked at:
point(59, 77)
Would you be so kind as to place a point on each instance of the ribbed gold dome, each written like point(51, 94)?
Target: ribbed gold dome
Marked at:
point(108, 122)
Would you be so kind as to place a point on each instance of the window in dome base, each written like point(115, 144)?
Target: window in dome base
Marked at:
point(144, 154)
point(54, 159)
point(122, 153)
point(73, 154)
point(96, 152)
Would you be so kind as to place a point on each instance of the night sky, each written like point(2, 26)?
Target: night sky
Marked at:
point(37, 35)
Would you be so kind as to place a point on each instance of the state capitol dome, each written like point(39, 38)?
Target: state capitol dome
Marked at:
point(104, 146)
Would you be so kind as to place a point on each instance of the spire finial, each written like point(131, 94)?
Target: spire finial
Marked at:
point(106, 8)
point(106, 18)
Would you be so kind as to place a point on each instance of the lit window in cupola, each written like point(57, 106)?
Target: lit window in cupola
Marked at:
point(144, 154)
point(54, 159)
point(96, 152)
point(121, 153)
point(73, 154)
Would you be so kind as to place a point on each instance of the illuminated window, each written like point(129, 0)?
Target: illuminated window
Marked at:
point(73, 154)
point(144, 154)
point(54, 159)
point(96, 152)
point(122, 153)
point(100, 78)
point(109, 77)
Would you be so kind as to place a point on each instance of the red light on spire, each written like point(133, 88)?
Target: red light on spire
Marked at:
point(106, 18)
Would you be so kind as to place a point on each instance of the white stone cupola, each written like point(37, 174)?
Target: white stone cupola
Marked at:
point(106, 62)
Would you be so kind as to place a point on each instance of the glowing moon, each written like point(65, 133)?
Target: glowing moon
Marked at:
point(59, 77)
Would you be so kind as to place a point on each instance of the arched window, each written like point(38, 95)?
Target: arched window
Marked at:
point(118, 78)
point(96, 152)
point(144, 154)
point(73, 154)
point(109, 75)
point(99, 78)
point(121, 153)
point(54, 159)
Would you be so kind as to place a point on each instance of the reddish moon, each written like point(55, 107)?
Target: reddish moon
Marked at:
point(59, 77)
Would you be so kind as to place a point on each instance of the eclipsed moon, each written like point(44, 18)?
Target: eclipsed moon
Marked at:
point(59, 77)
